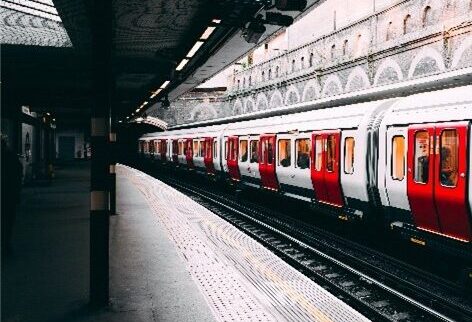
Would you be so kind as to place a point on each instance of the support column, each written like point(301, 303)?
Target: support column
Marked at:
point(99, 182)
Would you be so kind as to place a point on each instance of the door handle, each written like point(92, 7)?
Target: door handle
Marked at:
point(462, 175)
point(292, 176)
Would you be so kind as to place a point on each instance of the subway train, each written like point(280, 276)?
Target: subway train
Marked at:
point(403, 162)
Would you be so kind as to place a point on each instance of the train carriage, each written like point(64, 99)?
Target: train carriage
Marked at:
point(403, 162)
point(424, 176)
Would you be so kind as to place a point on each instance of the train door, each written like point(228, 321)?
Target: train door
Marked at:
point(208, 155)
point(284, 162)
point(189, 153)
point(253, 168)
point(437, 180)
point(325, 169)
point(267, 161)
point(395, 174)
point(301, 160)
point(232, 159)
point(175, 151)
point(243, 157)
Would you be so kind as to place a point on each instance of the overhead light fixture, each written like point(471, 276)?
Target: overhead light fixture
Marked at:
point(216, 20)
point(253, 32)
point(127, 117)
point(137, 110)
point(207, 33)
point(47, 113)
point(54, 120)
point(194, 49)
point(182, 64)
point(290, 5)
point(278, 19)
point(144, 103)
point(120, 121)
point(164, 85)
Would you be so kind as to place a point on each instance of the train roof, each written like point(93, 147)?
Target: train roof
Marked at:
point(450, 104)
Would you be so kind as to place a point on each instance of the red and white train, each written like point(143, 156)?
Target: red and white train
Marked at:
point(402, 161)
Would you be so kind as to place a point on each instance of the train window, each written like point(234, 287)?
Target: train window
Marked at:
point(449, 153)
point(215, 150)
point(285, 157)
point(303, 153)
point(318, 152)
point(349, 144)
point(421, 157)
point(270, 152)
point(201, 151)
point(398, 157)
point(254, 151)
point(243, 150)
point(226, 150)
point(181, 150)
point(207, 149)
point(263, 151)
point(195, 148)
point(330, 153)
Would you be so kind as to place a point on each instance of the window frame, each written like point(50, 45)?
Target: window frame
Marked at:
point(392, 155)
point(353, 155)
point(440, 145)
point(415, 158)
point(289, 152)
point(240, 155)
point(251, 150)
point(296, 152)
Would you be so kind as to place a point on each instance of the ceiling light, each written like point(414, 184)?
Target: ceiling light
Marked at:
point(182, 64)
point(164, 85)
point(207, 33)
point(127, 117)
point(137, 110)
point(216, 20)
point(47, 113)
point(194, 49)
point(144, 103)
point(120, 121)
point(154, 94)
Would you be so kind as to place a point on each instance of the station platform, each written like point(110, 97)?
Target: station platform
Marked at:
point(170, 260)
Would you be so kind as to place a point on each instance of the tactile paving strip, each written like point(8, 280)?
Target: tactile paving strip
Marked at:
point(240, 279)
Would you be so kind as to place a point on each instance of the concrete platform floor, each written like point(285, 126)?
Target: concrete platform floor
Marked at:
point(47, 276)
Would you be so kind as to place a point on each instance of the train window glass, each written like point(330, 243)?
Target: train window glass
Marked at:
point(215, 150)
point(349, 144)
point(303, 153)
point(254, 151)
point(226, 150)
point(398, 157)
point(270, 152)
point(285, 158)
point(201, 146)
point(181, 149)
point(421, 157)
point(449, 158)
point(195, 148)
point(243, 150)
point(330, 153)
point(208, 149)
point(263, 151)
point(318, 152)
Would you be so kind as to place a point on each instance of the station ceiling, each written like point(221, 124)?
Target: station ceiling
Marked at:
point(47, 60)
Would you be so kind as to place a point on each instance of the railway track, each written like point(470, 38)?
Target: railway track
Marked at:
point(393, 292)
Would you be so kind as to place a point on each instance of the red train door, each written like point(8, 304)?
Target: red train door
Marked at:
point(451, 180)
point(325, 167)
point(189, 153)
point(175, 151)
point(267, 162)
point(232, 161)
point(208, 155)
point(420, 184)
point(437, 181)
